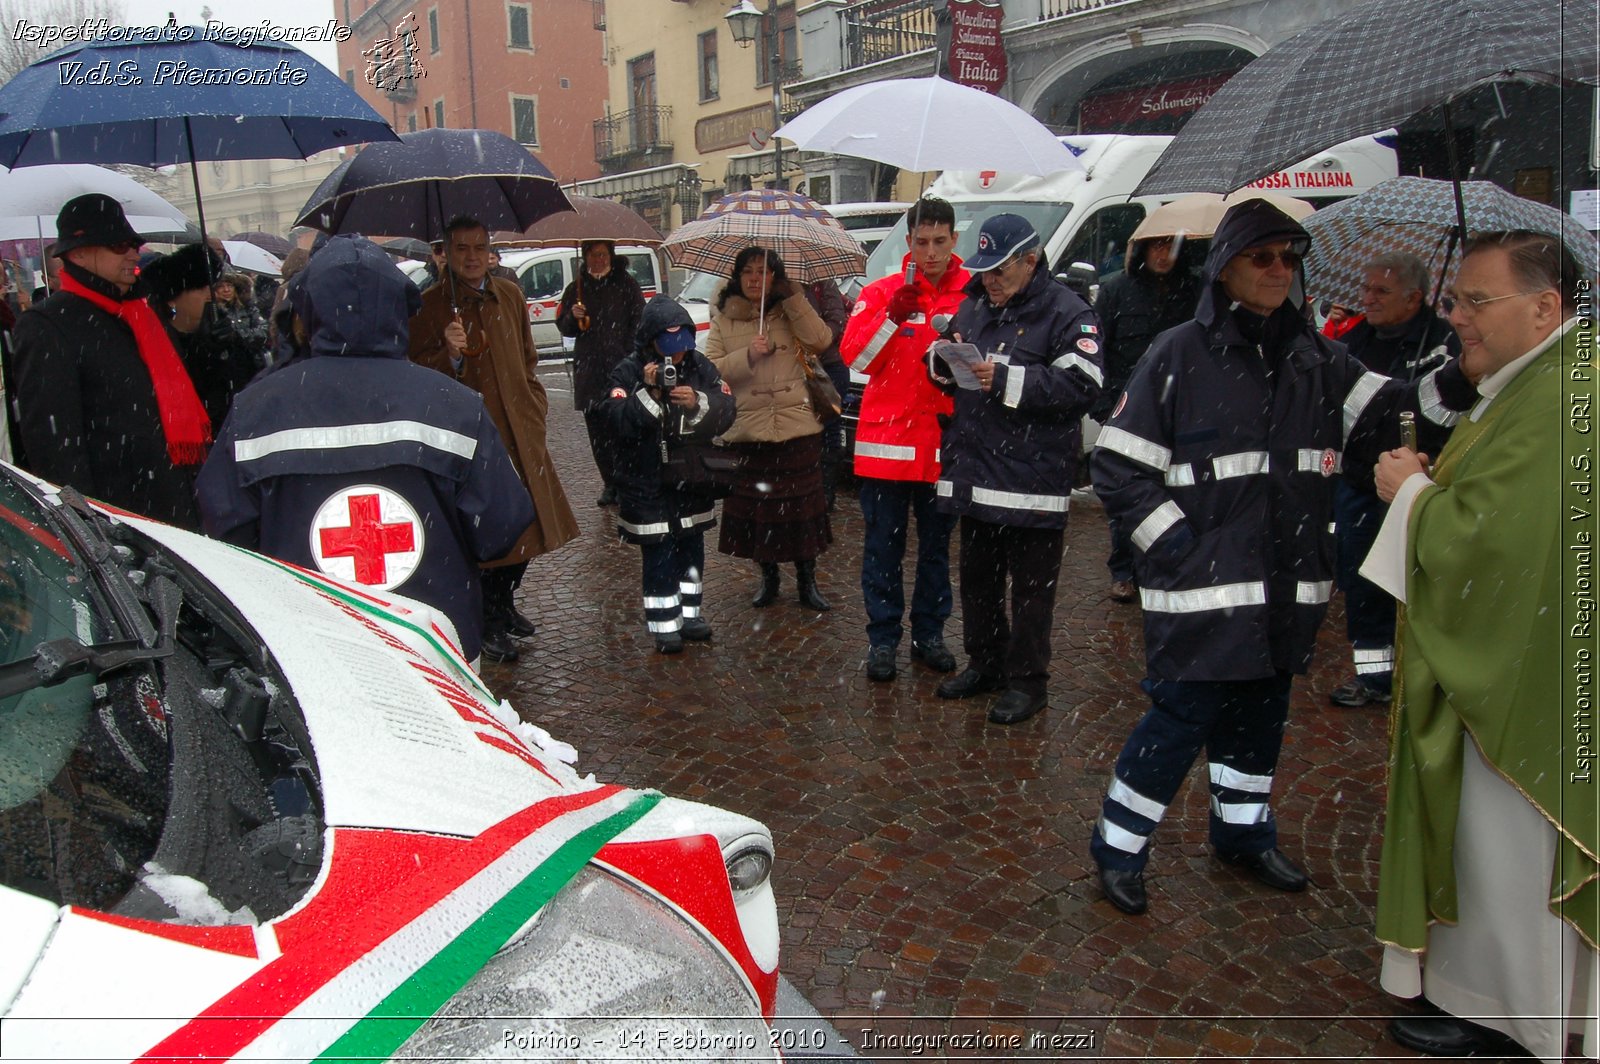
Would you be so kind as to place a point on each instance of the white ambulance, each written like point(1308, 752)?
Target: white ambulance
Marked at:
point(1088, 215)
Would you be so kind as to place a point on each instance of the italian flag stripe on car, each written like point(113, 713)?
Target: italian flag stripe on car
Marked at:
point(375, 976)
point(386, 1028)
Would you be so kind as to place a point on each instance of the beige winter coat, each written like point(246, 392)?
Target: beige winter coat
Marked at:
point(771, 394)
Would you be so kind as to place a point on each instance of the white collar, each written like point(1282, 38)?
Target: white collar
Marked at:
point(1495, 383)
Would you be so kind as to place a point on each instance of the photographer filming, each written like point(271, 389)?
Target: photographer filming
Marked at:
point(667, 402)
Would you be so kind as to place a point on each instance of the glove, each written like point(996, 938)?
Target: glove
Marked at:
point(903, 304)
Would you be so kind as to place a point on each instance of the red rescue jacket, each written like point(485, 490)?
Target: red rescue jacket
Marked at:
point(898, 435)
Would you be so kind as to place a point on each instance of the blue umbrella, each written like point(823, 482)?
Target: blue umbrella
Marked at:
point(413, 187)
point(169, 97)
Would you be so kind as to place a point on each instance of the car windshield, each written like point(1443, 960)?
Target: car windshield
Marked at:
point(701, 288)
point(1046, 218)
point(151, 781)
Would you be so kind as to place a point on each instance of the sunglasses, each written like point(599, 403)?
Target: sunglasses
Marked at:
point(1263, 258)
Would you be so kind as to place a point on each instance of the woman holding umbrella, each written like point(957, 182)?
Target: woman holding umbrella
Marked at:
point(762, 329)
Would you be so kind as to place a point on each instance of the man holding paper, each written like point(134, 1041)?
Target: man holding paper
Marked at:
point(1010, 460)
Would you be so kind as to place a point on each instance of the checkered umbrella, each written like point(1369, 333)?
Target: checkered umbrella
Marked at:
point(1418, 216)
point(809, 240)
point(1365, 71)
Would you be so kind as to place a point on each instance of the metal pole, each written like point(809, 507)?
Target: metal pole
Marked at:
point(777, 96)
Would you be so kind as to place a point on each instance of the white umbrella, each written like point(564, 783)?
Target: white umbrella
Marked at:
point(31, 197)
point(930, 124)
point(1198, 215)
point(246, 256)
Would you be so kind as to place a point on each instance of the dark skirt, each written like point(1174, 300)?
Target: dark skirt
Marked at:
point(779, 512)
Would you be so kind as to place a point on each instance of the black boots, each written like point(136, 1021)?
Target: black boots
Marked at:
point(768, 592)
point(805, 574)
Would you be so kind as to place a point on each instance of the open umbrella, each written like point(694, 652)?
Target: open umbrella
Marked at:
point(247, 256)
point(930, 124)
point(1367, 70)
point(32, 197)
point(169, 96)
point(1198, 215)
point(1416, 215)
point(405, 247)
point(413, 187)
point(809, 240)
point(272, 245)
point(589, 219)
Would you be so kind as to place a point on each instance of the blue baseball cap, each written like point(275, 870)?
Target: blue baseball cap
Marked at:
point(1000, 239)
point(677, 338)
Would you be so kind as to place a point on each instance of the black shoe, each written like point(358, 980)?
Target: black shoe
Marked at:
point(696, 630)
point(880, 664)
point(498, 647)
point(805, 574)
point(968, 683)
point(767, 594)
point(1125, 890)
point(669, 643)
point(1443, 1035)
point(1015, 706)
point(934, 654)
point(607, 497)
point(1355, 694)
point(519, 625)
point(1270, 867)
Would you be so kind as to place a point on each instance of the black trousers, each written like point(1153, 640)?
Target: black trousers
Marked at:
point(499, 594)
point(1017, 648)
point(601, 443)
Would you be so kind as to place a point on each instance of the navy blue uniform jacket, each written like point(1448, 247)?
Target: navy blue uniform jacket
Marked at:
point(356, 413)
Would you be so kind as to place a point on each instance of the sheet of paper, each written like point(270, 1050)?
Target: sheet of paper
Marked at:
point(960, 358)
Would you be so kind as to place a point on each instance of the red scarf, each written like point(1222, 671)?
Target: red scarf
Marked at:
point(183, 418)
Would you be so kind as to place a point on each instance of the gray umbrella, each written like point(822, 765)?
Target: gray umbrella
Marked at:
point(1417, 215)
point(1365, 71)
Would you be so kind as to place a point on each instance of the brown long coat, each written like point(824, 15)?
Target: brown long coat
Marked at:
point(516, 400)
point(773, 402)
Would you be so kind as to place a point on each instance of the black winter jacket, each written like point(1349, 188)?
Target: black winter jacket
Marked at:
point(650, 510)
point(1010, 455)
point(89, 416)
point(614, 303)
point(356, 462)
point(1134, 307)
point(1220, 470)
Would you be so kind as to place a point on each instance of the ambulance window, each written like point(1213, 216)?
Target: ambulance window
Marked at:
point(543, 279)
point(1103, 238)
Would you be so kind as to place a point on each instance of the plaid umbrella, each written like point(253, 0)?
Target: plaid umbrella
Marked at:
point(1365, 71)
point(1417, 215)
point(809, 240)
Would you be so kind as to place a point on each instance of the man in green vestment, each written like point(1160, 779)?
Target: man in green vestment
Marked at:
point(1489, 874)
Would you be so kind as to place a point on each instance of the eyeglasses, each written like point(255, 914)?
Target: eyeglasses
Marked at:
point(122, 247)
point(1469, 305)
point(1263, 258)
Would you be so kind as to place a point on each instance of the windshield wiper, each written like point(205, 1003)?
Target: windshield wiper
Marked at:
point(60, 660)
point(82, 524)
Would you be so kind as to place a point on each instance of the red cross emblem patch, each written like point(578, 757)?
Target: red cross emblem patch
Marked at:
point(367, 535)
point(1330, 463)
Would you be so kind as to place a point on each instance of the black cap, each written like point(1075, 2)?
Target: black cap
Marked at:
point(93, 220)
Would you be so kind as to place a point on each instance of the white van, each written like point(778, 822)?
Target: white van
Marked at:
point(869, 223)
point(544, 274)
point(1088, 216)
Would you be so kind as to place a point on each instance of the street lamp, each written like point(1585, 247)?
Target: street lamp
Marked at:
point(744, 20)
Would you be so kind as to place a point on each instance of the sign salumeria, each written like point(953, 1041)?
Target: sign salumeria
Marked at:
point(977, 52)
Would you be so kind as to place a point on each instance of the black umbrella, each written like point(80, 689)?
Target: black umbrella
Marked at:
point(1365, 71)
point(413, 187)
point(406, 247)
point(272, 245)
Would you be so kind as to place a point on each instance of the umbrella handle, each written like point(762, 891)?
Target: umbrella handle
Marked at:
point(761, 312)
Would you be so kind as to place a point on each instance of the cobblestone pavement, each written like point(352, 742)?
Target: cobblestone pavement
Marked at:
point(932, 869)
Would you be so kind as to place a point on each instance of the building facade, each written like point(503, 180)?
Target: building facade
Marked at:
point(531, 69)
point(246, 195)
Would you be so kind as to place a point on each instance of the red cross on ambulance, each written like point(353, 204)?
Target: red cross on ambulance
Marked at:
point(369, 535)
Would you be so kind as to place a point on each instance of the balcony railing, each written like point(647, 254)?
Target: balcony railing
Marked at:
point(1058, 8)
point(875, 30)
point(627, 134)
